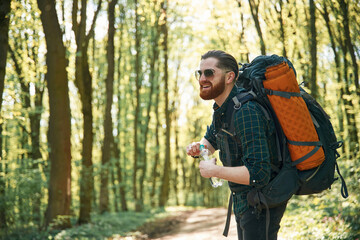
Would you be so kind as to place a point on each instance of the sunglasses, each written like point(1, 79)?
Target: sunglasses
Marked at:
point(207, 72)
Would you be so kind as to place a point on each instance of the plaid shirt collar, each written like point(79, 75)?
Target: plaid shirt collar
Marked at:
point(232, 94)
point(219, 111)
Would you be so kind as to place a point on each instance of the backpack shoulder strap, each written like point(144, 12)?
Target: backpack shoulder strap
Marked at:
point(228, 124)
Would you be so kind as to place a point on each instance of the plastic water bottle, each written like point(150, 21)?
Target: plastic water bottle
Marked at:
point(205, 155)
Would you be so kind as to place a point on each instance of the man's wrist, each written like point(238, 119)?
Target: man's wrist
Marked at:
point(217, 171)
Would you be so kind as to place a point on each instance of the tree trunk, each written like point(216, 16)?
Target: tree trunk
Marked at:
point(59, 121)
point(108, 124)
point(313, 51)
point(155, 172)
point(349, 108)
point(154, 83)
point(117, 143)
point(244, 53)
point(165, 188)
point(282, 27)
point(344, 6)
point(176, 135)
point(340, 91)
point(35, 118)
point(348, 104)
point(120, 178)
point(254, 9)
point(4, 38)
point(138, 206)
point(83, 82)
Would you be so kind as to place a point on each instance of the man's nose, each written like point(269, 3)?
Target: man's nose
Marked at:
point(202, 78)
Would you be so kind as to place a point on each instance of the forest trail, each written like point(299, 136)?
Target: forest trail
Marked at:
point(203, 224)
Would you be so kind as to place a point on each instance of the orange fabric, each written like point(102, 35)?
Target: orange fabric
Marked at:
point(293, 115)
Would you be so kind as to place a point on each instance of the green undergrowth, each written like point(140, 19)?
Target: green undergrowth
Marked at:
point(122, 225)
point(321, 217)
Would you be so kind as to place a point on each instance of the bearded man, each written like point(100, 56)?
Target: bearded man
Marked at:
point(247, 166)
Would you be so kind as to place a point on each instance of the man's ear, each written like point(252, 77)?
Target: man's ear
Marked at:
point(230, 77)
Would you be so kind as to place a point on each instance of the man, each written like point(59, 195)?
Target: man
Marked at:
point(251, 168)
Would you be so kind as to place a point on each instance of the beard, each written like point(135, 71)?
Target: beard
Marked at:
point(212, 91)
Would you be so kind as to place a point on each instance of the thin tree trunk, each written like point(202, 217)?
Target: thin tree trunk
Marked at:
point(155, 172)
point(116, 144)
point(176, 135)
point(244, 53)
point(154, 82)
point(59, 121)
point(348, 104)
point(108, 124)
point(344, 6)
point(349, 108)
point(282, 28)
point(340, 91)
point(254, 9)
point(4, 44)
point(165, 188)
point(313, 51)
point(36, 155)
point(137, 108)
point(83, 82)
point(120, 178)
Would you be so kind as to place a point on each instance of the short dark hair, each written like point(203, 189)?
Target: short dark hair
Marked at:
point(225, 60)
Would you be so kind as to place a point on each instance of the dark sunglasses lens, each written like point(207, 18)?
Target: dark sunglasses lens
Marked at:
point(208, 73)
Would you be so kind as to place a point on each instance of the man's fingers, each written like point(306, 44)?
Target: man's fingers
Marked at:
point(193, 149)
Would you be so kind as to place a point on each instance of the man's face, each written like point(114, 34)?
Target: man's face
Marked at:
point(211, 86)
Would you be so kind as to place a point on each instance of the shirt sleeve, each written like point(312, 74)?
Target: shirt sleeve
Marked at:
point(210, 136)
point(250, 125)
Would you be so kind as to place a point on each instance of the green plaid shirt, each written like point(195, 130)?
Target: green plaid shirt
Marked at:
point(258, 146)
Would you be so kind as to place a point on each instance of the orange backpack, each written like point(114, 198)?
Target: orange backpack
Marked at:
point(294, 116)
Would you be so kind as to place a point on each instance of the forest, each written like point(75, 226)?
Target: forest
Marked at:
point(99, 101)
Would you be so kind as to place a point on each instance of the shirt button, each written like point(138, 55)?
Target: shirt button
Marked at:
point(254, 181)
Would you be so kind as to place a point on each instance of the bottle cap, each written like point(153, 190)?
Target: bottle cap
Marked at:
point(202, 147)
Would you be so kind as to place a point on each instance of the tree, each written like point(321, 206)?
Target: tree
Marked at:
point(137, 105)
point(244, 53)
point(254, 9)
point(33, 114)
point(344, 7)
point(117, 140)
point(165, 187)
point(350, 119)
point(108, 124)
point(154, 82)
point(313, 50)
point(340, 93)
point(280, 9)
point(83, 82)
point(58, 210)
point(4, 28)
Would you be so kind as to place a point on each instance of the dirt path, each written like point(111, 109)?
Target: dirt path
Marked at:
point(204, 224)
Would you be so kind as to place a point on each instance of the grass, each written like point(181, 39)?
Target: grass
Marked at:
point(105, 226)
point(115, 226)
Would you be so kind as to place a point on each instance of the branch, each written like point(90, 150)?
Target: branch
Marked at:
point(75, 24)
point(87, 38)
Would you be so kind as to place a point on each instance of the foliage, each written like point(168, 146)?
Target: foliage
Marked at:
point(102, 227)
point(326, 215)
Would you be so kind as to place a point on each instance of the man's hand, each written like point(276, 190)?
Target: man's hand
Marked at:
point(208, 168)
point(193, 149)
